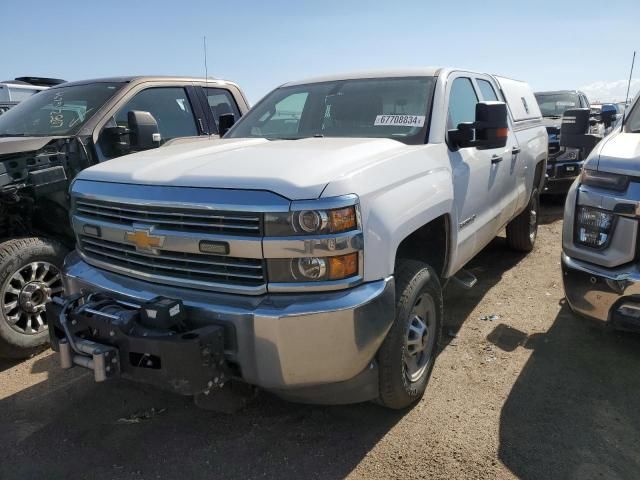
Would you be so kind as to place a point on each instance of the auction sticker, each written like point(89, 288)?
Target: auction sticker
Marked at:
point(400, 120)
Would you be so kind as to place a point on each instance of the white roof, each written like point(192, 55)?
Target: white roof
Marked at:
point(403, 72)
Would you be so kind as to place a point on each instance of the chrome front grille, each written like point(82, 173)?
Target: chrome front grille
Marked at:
point(198, 270)
point(172, 218)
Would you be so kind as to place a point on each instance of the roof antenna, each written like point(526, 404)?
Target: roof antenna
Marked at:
point(626, 101)
point(206, 71)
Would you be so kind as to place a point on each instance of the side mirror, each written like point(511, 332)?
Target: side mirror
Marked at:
point(225, 122)
point(490, 130)
point(575, 124)
point(574, 130)
point(609, 114)
point(143, 131)
point(116, 140)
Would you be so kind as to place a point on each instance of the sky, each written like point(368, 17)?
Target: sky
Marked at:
point(261, 44)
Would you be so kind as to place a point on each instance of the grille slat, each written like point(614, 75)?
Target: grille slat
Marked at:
point(234, 271)
point(195, 270)
point(176, 256)
point(180, 219)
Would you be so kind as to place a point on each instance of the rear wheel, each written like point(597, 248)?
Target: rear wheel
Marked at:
point(523, 230)
point(408, 352)
point(29, 278)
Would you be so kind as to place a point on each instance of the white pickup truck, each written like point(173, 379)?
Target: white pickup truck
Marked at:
point(304, 253)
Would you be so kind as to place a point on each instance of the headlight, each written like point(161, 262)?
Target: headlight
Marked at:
point(313, 221)
point(593, 227)
point(313, 269)
point(317, 244)
point(610, 181)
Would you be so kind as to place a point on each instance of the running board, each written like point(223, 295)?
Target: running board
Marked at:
point(465, 279)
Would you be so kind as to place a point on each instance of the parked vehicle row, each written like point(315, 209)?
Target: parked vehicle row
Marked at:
point(565, 162)
point(46, 140)
point(305, 252)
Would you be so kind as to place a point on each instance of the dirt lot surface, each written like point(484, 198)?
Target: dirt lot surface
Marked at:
point(536, 393)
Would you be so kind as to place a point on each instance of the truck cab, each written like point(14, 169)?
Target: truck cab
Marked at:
point(304, 253)
point(47, 139)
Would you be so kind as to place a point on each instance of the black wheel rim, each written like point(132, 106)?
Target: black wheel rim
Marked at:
point(420, 338)
point(25, 294)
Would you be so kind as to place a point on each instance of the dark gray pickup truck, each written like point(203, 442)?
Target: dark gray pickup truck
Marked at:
point(50, 137)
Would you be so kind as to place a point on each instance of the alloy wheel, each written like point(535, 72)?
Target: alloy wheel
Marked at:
point(26, 293)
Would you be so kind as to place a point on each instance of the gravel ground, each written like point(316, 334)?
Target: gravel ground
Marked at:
point(536, 393)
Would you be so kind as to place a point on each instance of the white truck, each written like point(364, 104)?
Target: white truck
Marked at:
point(304, 253)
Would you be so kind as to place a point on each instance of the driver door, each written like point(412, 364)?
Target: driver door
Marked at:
point(474, 181)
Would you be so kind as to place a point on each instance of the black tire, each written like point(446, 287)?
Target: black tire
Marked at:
point(522, 231)
point(26, 336)
point(415, 281)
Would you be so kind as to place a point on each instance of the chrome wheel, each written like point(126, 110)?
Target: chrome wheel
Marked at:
point(533, 218)
point(420, 338)
point(26, 293)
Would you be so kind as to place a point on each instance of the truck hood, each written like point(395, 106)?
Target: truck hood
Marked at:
point(295, 169)
point(9, 145)
point(619, 153)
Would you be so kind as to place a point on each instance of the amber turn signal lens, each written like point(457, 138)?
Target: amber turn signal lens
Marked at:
point(343, 266)
point(342, 219)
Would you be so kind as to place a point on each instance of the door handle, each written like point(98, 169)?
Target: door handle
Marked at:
point(515, 150)
point(496, 159)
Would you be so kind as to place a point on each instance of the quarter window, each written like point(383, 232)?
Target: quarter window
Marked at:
point(462, 102)
point(488, 93)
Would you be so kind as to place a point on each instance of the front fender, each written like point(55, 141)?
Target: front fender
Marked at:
point(397, 196)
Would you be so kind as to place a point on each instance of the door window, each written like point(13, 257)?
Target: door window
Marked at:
point(462, 102)
point(221, 101)
point(487, 91)
point(169, 106)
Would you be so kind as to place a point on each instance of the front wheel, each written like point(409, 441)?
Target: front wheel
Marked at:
point(29, 278)
point(522, 231)
point(408, 353)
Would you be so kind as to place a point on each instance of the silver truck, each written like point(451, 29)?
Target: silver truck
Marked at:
point(600, 236)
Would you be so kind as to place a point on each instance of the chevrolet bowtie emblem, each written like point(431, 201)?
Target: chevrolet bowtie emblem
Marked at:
point(143, 240)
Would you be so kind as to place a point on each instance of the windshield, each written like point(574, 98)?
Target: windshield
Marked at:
point(555, 104)
point(58, 111)
point(396, 108)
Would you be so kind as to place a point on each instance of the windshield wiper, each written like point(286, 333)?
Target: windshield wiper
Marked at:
point(3, 135)
point(315, 135)
point(552, 116)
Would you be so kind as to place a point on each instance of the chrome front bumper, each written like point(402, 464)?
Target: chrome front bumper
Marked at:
point(280, 342)
point(610, 295)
